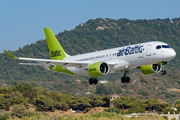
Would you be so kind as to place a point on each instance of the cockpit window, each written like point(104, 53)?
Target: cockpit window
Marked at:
point(169, 46)
point(166, 46)
point(158, 47)
point(163, 46)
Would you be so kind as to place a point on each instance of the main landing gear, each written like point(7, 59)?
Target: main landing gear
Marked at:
point(125, 79)
point(93, 80)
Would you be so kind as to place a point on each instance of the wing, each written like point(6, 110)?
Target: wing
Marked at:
point(44, 62)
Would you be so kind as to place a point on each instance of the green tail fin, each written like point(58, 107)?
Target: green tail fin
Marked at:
point(55, 49)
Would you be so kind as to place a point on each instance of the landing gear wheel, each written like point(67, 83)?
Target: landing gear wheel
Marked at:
point(91, 81)
point(123, 80)
point(163, 72)
point(127, 79)
point(95, 80)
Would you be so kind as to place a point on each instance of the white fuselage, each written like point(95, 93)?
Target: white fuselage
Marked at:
point(126, 57)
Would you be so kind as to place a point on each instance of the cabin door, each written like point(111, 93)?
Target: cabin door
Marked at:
point(148, 50)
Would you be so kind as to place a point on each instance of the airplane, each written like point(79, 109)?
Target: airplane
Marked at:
point(150, 57)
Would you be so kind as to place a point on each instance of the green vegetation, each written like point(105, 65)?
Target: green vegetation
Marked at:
point(112, 110)
point(49, 101)
point(5, 116)
point(25, 94)
point(96, 116)
point(143, 93)
point(43, 100)
point(177, 104)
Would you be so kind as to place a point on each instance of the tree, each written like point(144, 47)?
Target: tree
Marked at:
point(45, 103)
point(153, 104)
point(177, 104)
point(55, 95)
point(122, 103)
point(62, 106)
point(102, 89)
point(19, 111)
point(17, 97)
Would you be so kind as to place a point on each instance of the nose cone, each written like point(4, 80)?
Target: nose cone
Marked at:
point(170, 54)
point(173, 54)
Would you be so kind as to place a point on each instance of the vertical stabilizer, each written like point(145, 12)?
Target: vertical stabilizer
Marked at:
point(55, 49)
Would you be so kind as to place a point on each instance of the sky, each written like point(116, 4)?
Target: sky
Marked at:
point(22, 22)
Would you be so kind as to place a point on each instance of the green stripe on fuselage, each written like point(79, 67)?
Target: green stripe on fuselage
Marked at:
point(59, 68)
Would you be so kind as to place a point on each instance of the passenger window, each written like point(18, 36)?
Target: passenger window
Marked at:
point(158, 47)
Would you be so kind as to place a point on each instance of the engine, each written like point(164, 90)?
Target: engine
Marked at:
point(98, 69)
point(151, 69)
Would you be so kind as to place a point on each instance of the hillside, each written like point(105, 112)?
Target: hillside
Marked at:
point(98, 34)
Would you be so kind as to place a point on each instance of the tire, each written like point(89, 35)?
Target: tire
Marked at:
point(95, 80)
point(164, 72)
point(91, 81)
point(123, 80)
point(127, 79)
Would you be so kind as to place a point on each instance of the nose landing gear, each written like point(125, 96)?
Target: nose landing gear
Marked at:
point(163, 72)
point(93, 80)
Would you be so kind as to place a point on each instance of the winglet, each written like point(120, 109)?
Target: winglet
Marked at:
point(12, 56)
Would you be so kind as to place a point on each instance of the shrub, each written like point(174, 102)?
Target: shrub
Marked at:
point(87, 109)
point(19, 111)
point(44, 103)
point(165, 117)
point(7, 105)
point(165, 111)
point(54, 117)
point(113, 109)
point(5, 116)
point(143, 93)
point(29, 113)
point(38, 113)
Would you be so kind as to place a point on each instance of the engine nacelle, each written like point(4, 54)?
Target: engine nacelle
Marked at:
point(151, 69)
point(98, 69)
